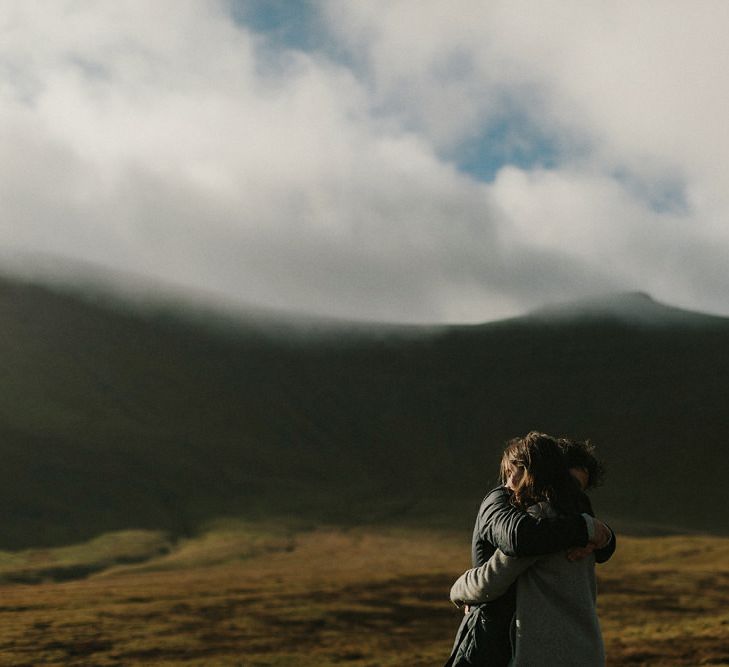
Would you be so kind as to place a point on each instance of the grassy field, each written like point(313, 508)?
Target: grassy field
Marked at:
point(257, 595)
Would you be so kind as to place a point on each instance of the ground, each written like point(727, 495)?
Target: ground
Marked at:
point(366, 597)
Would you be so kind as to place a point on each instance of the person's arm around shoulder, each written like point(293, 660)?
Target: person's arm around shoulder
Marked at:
point(490, 581)
point(517, 533)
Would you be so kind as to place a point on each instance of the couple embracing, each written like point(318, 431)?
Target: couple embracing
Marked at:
point(530, 599)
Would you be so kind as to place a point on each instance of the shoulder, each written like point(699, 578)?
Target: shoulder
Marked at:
point(497, 500)
point(496, 506)
point(497, 496)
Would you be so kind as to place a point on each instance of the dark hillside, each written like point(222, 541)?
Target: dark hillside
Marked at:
point(113, 418)
point(654, 399)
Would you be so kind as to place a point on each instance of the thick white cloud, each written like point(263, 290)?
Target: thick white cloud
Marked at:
point(634, 95)
point(167, 140)
point(177, 145)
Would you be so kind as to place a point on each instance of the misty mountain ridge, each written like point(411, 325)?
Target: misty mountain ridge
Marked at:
point(637, 308)
point(155, 298)
point(117, 417)
point(158, 298)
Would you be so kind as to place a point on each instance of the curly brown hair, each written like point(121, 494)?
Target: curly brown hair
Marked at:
point(581, 454)
point(544, 475)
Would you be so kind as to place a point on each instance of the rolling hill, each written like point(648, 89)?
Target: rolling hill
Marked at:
point(117, 416)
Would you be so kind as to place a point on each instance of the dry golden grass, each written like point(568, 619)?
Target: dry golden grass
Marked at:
point(80, 560)
point(244, 595)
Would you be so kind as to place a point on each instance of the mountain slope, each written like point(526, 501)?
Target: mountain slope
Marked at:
point(634, 308)
point(113, 417)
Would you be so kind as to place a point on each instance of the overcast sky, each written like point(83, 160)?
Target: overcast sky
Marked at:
point(417, 161)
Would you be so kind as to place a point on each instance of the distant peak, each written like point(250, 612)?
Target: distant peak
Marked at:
point(630, 307)
point(638, 296)
point(617, 301)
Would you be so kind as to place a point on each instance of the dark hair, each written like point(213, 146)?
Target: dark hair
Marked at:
point(544, 473)
point(581, 454)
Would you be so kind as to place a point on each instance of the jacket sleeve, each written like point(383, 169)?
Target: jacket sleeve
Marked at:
point(490, 581)
point(604, 554)
point(517, 533)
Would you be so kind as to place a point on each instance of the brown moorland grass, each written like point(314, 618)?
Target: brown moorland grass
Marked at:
point(376, 597)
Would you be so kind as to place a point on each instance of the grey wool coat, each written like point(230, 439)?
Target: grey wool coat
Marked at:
point(556, 617)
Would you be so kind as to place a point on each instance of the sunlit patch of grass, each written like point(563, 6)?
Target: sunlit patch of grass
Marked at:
point(80, 560)
point(219, 542)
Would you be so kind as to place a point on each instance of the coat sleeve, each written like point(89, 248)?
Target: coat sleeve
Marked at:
point(604, 554)
point(490, 581)
point(517, 533)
